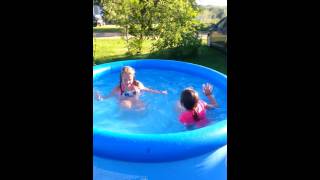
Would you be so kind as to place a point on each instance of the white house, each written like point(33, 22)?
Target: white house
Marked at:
point(97, 13)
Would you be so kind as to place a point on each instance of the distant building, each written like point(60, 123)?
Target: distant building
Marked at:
point(98, 15)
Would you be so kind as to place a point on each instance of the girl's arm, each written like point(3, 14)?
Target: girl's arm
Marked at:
point(213, 102)
point(207, 89)
point(100, 97)
point(143, 88)
point(154, 91)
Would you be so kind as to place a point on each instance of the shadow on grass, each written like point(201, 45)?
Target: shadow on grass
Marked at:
point(204, 56)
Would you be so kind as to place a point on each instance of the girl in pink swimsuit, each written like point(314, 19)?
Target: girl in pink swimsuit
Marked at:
point(128, 89)
point(195, 108)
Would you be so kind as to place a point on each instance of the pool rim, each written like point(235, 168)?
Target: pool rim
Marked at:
point(150, 147)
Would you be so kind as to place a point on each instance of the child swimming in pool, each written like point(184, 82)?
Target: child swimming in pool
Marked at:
point(195, 108)
point(129, 89)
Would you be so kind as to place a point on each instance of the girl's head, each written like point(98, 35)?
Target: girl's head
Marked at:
point(127, 76)
point(189, 98)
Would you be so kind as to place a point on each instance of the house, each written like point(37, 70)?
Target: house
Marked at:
point(98, 15)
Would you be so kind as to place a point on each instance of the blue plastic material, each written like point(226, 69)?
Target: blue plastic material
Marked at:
point(160, 147)
point(209, 166)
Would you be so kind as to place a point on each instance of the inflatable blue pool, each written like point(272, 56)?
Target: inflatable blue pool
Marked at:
point(154, 145)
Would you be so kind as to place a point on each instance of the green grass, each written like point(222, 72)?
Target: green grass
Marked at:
point(109, 50)
point(107, 28)
point(112, 49)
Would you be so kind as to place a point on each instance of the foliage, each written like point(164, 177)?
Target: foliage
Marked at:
point(170, 22)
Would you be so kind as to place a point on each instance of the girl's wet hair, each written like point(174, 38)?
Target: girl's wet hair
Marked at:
point(127, 69)
point(189, 99)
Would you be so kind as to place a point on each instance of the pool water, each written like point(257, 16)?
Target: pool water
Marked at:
point(160, 114)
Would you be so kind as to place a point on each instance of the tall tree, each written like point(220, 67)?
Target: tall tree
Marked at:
point(170, 22)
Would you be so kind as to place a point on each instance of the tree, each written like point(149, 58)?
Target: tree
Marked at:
point(170, 22)
point(177, 27)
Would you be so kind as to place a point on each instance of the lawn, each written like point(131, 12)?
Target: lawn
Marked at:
point(114, 49)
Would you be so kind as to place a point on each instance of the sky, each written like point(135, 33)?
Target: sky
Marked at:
point(212, 2)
